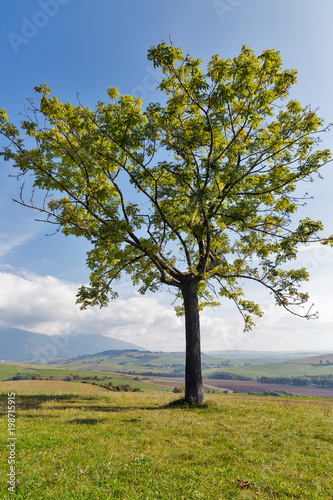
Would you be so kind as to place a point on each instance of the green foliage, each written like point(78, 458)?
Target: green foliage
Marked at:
point(25, 376)
point(201, 188)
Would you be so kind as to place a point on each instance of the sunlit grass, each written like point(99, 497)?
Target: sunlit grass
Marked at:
point(133, 445)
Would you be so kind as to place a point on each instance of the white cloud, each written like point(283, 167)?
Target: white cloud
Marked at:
point(15, 232)
point(11, 241)
point(30, 301)
point(45, 304)
point(16, 226)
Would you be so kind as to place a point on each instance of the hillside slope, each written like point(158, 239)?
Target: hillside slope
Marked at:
point(21, 345)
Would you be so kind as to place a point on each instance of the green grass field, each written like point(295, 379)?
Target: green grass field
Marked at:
point(250, 366)
point(33, 386)
point(276, 369)
point(45, 386)
point(135, 446)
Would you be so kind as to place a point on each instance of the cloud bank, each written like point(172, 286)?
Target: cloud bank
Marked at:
point(45, 304)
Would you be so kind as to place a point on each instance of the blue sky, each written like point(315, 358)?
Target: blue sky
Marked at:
point(87, 46)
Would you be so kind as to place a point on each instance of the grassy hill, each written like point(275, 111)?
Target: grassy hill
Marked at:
point(135, 445)
point(276, 369)
point(310, 360)
point(141, 366)
point(29, 378)
point(21, 345)
point(173, 364)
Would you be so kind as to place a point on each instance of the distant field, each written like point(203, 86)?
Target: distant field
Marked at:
point(251, 364)
point(150, 371)
point(43, 386)
point(261, 356)
point(284, 369)
point(158, 384)
point(248, 387)
point(8, 371)
point(97, 377)
point(95, 367)
point(322, 358)
point(253, 387)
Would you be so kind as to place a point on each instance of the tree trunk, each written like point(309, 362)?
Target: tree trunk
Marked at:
point(194, 393)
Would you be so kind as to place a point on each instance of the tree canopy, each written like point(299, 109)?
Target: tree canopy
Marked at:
point(198, 190)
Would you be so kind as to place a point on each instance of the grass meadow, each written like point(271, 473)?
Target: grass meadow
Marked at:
point(138, 446)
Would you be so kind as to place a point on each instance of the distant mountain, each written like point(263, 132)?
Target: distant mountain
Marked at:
point(21, 345)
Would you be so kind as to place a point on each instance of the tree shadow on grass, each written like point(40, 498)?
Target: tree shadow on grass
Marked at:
point(178, 404)
point(36, 401)
point(87, 421)
point(181, 403)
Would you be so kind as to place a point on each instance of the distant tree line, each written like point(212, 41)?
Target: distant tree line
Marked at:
point(175, 373)
point(227, 376)
point(327, 363)
point(325, 381)
point(26, 376)
point(117, 388)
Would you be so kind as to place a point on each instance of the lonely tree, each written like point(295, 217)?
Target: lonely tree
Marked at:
point(196, 194)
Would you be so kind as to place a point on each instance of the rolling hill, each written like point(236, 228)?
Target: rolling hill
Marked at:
point(314, 360)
